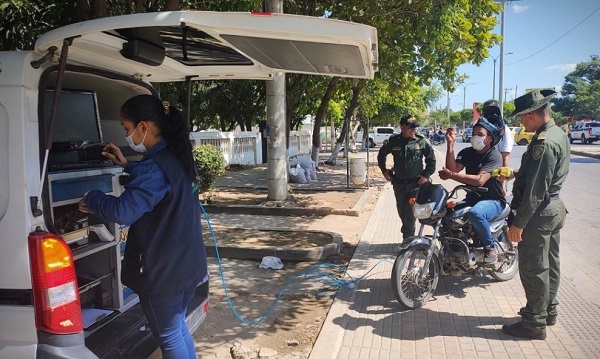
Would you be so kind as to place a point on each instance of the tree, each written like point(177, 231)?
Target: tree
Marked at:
point(580, 92)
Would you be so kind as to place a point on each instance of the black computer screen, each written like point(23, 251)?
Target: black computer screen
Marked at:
point(77, 121)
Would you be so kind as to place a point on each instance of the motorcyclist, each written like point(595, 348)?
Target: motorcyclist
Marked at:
point(479, 161)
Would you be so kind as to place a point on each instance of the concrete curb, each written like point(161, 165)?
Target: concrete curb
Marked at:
point(316, 254)
point(586, 154)
point(290, 211)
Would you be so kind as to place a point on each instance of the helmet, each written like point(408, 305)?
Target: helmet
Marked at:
point(491, 111)
point(492, 129)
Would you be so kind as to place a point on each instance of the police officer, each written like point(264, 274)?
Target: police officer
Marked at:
point(539, 214)
point(408, 150)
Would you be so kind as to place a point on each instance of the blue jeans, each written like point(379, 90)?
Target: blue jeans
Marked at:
point(479, 216)
point(166, 316)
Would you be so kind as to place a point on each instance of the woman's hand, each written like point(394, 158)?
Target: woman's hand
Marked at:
point(114, 154)
point(83, 208)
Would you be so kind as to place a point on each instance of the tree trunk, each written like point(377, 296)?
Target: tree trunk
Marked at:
point(350, 112)
point(139, 6)
point(84, 11)
point(316, 139)
point(100, 9)
point(171, 5)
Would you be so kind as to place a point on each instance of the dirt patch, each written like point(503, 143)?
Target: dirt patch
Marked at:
point(271, 238)
point(305, 199)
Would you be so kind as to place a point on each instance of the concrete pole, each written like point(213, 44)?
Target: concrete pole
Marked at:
point(501, 77)
point(277, 159)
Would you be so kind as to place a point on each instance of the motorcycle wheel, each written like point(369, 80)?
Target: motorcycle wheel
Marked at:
point(410, 291)
point(507, 269)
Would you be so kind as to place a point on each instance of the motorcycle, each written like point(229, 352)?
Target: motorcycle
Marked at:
point(438, 139)
point(453, 249)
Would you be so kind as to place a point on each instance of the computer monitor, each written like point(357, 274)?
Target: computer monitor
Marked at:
point(77, 122)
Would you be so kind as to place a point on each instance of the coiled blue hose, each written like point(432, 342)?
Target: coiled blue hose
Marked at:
point(333, 284)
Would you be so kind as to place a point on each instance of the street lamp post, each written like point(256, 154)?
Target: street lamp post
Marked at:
point(494, 83)
point(465, 93)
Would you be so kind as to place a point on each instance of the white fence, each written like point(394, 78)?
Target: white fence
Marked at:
point(245, 148)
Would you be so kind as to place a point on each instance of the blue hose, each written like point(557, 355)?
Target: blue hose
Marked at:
point(333, 284)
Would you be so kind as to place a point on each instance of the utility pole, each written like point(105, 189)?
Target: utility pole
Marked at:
point(501, 80)
point(277, 162)
point(465, 93)
point(506, 90)
point(516, 86)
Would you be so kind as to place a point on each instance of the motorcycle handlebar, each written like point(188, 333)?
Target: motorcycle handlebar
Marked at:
point(468, 188)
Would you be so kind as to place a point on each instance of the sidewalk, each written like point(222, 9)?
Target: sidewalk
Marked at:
point(463, 320)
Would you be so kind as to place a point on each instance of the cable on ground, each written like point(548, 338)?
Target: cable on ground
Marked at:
point(332, 284)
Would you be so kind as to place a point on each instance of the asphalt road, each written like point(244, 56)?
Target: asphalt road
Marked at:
point(580, 238)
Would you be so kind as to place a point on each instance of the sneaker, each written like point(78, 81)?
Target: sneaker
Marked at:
point(491, 255)
point(550, 319)
point(518, 330)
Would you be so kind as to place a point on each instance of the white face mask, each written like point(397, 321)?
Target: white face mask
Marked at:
point(478, 142)
point(136, 147)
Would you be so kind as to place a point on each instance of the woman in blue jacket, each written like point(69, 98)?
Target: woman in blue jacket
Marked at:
point(164, 258)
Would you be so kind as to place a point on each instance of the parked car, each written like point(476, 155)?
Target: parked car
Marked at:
point(586, 132)
point(513, 130)
point(466, 136)
point(381, 134)
point(523, 137)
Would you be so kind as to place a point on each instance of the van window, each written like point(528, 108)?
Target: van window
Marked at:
point(594, 124)
point(4, 170)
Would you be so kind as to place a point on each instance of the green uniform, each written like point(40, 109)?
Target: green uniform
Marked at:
point(541, 214)
point(408, 154)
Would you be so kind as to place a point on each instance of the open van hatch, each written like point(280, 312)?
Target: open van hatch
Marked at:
point(171, 46)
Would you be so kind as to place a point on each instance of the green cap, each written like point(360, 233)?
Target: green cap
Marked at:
point(531, 101)
point(409, 120)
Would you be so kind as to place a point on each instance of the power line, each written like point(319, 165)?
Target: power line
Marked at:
point(555, 41)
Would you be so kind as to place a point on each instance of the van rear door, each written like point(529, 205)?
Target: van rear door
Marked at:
point(171, 46)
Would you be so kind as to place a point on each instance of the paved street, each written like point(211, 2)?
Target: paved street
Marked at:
point(465, 316)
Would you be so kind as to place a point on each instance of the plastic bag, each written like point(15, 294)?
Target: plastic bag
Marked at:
point(270, 262)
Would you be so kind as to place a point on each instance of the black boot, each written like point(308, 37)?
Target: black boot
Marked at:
point(518, 330)
point(550, 319)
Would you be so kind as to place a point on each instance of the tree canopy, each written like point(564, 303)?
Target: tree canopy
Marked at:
point(419, 41)
point(581, 91)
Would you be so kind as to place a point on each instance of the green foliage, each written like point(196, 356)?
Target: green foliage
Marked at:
point(581, 91)
point(210, 164)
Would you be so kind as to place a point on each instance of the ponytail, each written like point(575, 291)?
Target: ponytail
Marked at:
point(173, 128)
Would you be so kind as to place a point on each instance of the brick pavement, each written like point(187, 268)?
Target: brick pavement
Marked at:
point(463, 320)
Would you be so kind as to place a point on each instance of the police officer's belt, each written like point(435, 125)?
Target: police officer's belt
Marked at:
point(405, 180)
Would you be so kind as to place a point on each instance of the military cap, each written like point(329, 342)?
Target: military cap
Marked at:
point(409, 120)
point(532, 101)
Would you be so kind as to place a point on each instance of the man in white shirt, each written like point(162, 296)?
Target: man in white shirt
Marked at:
point(491, 111)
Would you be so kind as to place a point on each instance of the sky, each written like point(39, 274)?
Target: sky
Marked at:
point(531, 26)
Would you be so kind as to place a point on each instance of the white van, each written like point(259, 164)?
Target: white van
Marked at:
point(60, 292)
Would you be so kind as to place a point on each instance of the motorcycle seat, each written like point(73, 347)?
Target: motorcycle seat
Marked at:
point(504, 214)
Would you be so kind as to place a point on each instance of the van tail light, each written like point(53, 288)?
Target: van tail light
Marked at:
point(55, 290)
